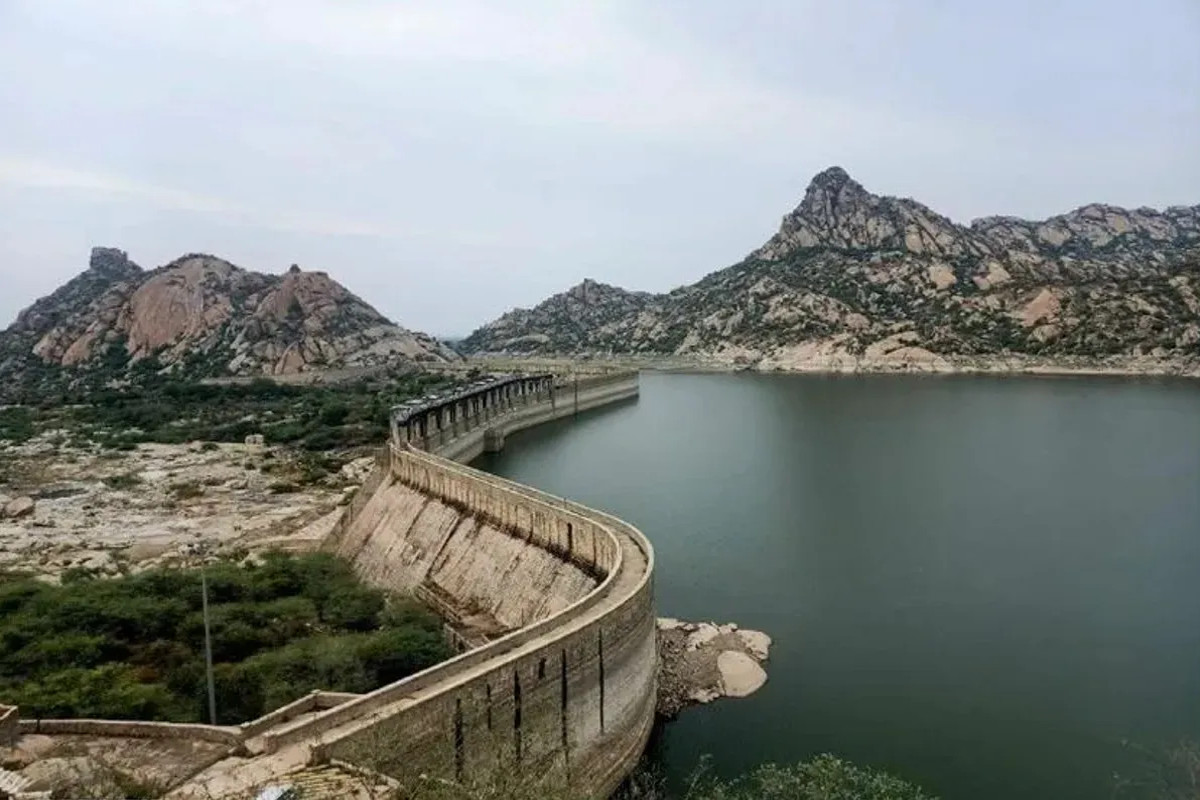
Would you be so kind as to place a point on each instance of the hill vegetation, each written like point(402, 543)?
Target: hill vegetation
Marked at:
point(156, 407)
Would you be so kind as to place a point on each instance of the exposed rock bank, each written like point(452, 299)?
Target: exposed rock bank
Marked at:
point(702, 661)
point(109, 511)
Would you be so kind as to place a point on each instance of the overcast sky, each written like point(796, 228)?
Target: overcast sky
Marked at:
point(448, 160)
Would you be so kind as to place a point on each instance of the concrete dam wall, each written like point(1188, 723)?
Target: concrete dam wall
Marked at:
point(556, 598)
point(479, 575)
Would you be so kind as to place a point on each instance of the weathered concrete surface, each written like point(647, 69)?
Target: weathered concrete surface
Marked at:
point(483, 577)
point(569, 698)
point(63, 760)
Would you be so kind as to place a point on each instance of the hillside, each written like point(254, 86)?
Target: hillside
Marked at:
point(853, 279)
point(574, 320)
point(201, 317)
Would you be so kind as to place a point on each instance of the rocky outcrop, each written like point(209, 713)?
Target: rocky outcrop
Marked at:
point(204, 315)
point(838, 213)
point(856, 280)
point(702, 661)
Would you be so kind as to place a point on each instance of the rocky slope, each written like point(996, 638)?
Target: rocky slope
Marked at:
point(577, 319)
point(855, 280)
point(206, 317)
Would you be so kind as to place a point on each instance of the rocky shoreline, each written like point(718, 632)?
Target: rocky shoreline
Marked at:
point(702, 661)
point(840, 363)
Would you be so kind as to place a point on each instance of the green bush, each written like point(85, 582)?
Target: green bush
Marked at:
point(171, 410)
point(825, 777)
point(16, 424)
point(132, 647)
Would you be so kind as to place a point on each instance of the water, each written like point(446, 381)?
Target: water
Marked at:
point(985, 585)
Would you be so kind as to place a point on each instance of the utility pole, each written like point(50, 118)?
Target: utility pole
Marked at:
point(208, 668)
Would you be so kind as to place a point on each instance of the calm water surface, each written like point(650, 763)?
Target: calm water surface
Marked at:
point(985, 585)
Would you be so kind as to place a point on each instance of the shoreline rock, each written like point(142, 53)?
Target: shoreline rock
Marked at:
point(702, 661)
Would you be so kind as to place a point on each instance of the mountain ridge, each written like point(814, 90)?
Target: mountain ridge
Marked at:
point(205, 317)
point(856, 279)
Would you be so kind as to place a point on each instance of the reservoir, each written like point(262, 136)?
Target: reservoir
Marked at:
point(989, 586)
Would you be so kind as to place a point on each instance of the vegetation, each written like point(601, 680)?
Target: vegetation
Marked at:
point(1170, 774)
point(825, 777)
point(132, 647)
point(159, 408)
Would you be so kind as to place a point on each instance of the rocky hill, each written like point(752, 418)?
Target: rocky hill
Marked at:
point(578, 319)
point(203, 317)
point(855, 280)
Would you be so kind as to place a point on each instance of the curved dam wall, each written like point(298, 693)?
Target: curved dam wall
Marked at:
point(562, 685)
point(476, 568)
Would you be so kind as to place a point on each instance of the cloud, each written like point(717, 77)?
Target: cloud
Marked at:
point(496, 152)
point(38, 174)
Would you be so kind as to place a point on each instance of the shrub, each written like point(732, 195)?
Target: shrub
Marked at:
point(186, 490)
point(126, 480)
point(132, 647)
point(825, 777)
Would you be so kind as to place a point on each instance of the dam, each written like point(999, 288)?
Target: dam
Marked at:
point(553, 599)
point(549, 603)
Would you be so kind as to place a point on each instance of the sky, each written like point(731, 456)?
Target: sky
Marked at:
point(449, 160)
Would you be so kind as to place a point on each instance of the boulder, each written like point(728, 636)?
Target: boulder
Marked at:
point(18, 508)
point(740, 674)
